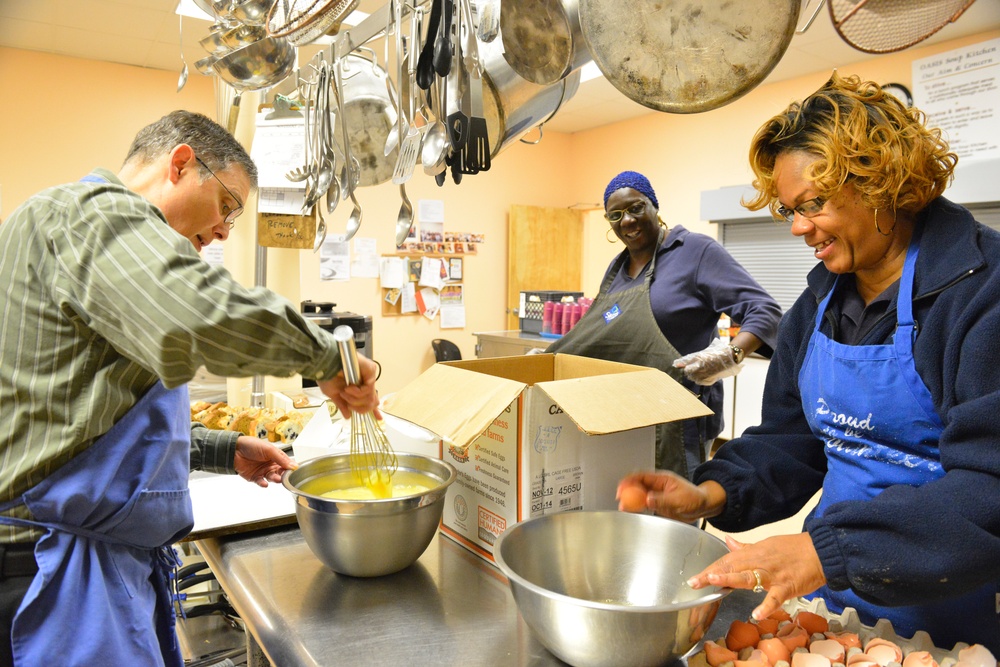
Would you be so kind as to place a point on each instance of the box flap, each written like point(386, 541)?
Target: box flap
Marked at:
point(626, 398)
point(456, 404)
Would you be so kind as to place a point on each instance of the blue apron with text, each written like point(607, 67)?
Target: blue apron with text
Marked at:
point(101, 595)
point(874, 413)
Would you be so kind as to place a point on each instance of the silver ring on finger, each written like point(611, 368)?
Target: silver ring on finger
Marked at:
point(758, 587)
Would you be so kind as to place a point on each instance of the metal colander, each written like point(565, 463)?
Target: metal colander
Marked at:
point(884, 26)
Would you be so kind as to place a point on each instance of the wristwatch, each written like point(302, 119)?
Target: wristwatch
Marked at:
point(738, 353)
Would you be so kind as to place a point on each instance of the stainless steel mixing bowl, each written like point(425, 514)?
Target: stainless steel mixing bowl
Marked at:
point(602, 589)
point(368, 538)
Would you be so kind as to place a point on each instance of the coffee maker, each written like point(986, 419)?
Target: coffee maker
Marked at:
point(322, 314)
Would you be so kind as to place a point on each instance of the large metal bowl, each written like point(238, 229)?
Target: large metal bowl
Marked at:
point(603, 589)
point(257, 65)
point(368, 538)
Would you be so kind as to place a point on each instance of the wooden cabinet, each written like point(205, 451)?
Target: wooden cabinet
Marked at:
point(507, 343)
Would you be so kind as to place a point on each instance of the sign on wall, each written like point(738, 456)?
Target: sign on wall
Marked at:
point(959, 91)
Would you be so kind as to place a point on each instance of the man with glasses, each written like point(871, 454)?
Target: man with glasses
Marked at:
point(109, 310)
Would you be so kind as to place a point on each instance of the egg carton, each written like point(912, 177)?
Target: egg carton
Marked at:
point(849, 621)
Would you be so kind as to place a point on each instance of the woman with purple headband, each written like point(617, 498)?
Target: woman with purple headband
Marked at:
point(659, 305)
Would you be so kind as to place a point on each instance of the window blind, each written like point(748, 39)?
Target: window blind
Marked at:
point(780, 261)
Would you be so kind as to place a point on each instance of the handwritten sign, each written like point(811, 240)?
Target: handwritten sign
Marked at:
point(286, 231)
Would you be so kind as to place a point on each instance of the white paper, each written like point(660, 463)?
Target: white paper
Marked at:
point(452, 317)
point(278, 147)
point(213, 254)
point(365, 261)
point(409, 304)
point(430, 273)
point(430, 210)
point(960, 92)
point(392, 272)
point(334, 258)
point(287, 201)
point(432, 302)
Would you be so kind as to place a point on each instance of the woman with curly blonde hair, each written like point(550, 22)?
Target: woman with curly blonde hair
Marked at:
point(882, 392)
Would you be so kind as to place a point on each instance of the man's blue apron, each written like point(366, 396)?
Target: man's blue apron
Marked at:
point(870, 407)
point(101, 594)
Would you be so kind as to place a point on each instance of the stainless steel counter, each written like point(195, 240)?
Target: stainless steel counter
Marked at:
point(448, 608)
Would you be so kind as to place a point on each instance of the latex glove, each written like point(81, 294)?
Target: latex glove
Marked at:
point(710, 365)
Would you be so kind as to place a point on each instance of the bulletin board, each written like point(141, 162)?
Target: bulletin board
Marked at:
point(392, 304)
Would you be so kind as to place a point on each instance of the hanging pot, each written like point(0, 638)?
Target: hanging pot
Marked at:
point(542, 39)
point(370, 116)
point(513, 105)
point(686, 57)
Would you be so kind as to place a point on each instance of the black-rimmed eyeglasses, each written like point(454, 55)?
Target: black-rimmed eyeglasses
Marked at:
point(230, 213)
point(807, 209)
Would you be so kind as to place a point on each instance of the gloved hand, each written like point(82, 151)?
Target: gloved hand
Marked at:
point(710, 365)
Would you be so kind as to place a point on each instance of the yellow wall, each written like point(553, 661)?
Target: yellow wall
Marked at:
point(63, 116)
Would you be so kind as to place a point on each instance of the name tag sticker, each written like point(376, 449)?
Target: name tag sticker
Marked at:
point(612, 313)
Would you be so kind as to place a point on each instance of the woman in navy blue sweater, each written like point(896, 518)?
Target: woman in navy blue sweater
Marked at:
point(883, 390)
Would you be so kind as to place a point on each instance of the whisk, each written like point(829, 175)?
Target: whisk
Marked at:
point(372, 458)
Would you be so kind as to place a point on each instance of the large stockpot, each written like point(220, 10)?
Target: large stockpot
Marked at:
point(370, 118)
point(542, 39)
point(687, 56)
point(513, 106)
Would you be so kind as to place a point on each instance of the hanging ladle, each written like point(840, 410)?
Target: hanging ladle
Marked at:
point(183, 78)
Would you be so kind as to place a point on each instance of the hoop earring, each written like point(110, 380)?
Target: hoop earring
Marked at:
point(888, 233)
point(610, 240)
point(659, 220)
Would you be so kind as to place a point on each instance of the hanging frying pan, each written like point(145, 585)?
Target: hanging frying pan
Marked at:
point(687, 56)
point(542, 40)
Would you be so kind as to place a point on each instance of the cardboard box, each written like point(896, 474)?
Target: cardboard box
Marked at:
point(538, 434)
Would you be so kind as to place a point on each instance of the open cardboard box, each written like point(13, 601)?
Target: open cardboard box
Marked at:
point(538, 434)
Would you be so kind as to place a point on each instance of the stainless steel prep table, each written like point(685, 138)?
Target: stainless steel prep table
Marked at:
point(448, 608)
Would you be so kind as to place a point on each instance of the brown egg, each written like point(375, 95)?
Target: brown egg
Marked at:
point(775, 650)
point(883, 651)
point(813, 623)
point(919, 659)
point(768, 626)
point(809, 660)
point(793, 636)
point(780, 615)
point(741, 634)
point(716, 655)
point(748, 663)
point(831, 648)
point(632, 499)
point(846, 639)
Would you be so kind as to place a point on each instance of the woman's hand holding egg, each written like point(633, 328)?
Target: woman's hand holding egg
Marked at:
point(669, 495)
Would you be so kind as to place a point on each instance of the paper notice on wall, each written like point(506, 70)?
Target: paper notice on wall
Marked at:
point(409, 296)
point(364, 264)
point(960, 92)
point(392, 272)
point(430, 273)
point(428, 302)
point(452, 307)
point(335, 259)
point(213, 254)
point(430, 210)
